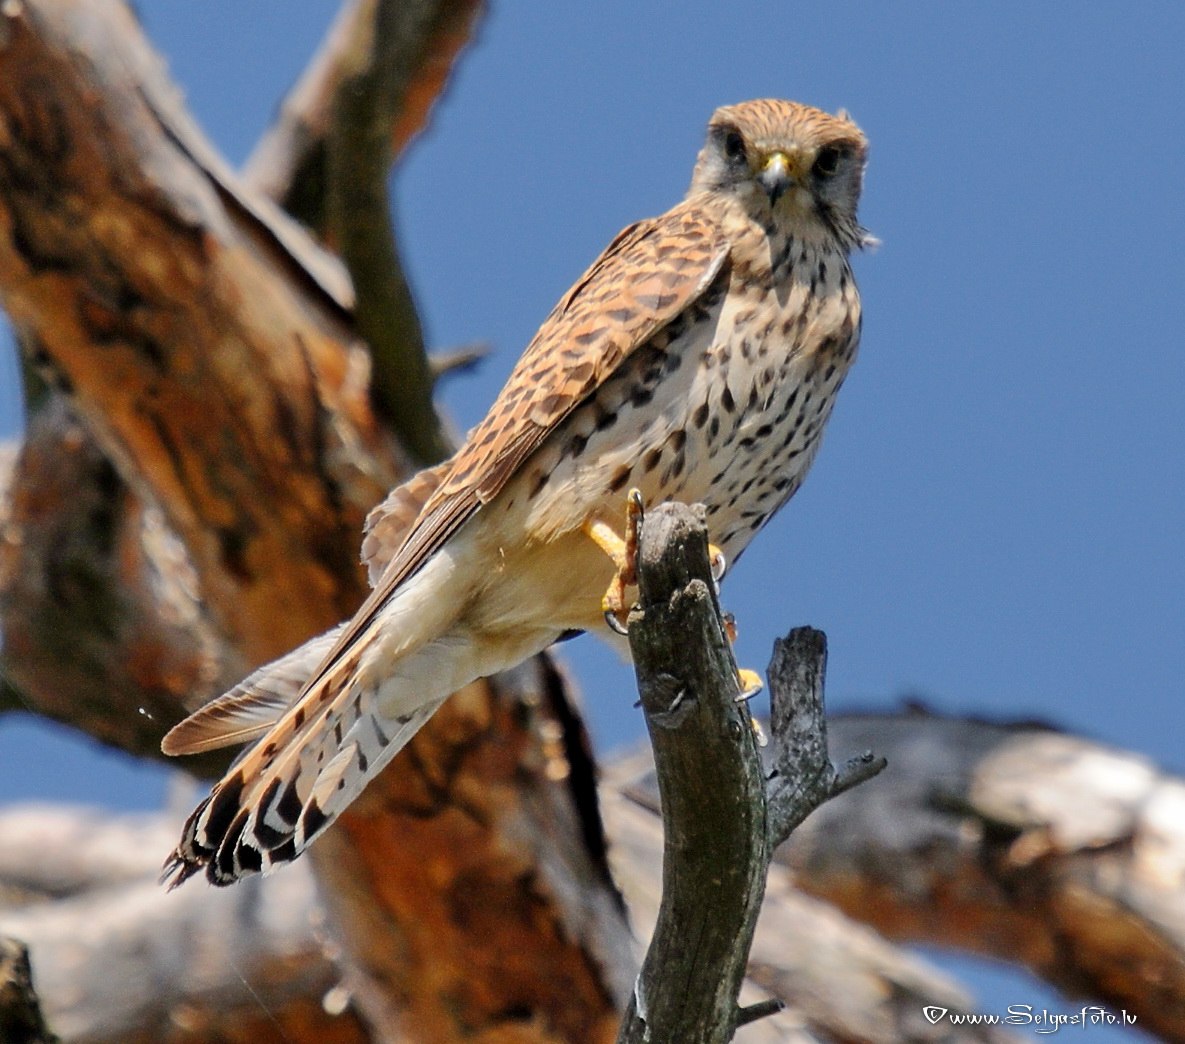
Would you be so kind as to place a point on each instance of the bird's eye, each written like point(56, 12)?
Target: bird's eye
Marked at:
point(734, 145)
point(827, 162)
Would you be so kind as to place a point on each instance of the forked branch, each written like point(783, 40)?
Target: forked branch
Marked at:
point(722, 818)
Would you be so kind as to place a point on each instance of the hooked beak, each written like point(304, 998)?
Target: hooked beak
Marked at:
point(776, 176)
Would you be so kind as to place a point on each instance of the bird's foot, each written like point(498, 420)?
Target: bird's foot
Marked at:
point(751, 685)
point(750, 682)
point(718, 565)
point(624, 553)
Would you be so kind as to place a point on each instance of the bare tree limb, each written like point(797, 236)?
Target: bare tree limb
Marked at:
point(103, 626)
point(220, 376)
point(1017, 842)
point(380, 64)
point(288, 164)
point(207, 373)
point(472, 866)
point(189, 966)
point(803, 776)
point(839, 980)
point(718, 816)
point(711, 786)
point(207, 342)
point(183, 966)
point(328, 160)
point(460, 359)
point(20, 1013)
point(1009, 840)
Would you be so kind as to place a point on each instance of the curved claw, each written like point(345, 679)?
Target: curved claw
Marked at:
point(718, 564)
point(615, 624)
point(751, 684)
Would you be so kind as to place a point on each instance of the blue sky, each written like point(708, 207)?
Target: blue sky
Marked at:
point(995, 521)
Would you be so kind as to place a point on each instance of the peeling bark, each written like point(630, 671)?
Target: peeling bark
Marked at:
point(189, 502)
point(226, 393)
point(207, 347)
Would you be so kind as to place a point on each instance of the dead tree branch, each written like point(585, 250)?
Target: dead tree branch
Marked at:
point(20, 1011)
point(209, 352)
point(223, 388)
point(188, 965)
point(288, 164)
point(711, 781)
point(1017, 842)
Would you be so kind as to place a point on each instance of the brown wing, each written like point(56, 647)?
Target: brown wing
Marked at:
point(645, 278)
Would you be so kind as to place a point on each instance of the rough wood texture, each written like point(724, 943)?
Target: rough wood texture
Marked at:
point(327, 160)
point(392, 42)
point(154, 966)
point(207, 346)
point(721, 816)
point(838, 979)
point(20, 1012)
point(118, 959)
point(204, 535)
point(1010, 840)
point(802, 776)
point(1017, 842)
point(102, 621)
point(712, 790)
point(221, 385)
point(464, 890)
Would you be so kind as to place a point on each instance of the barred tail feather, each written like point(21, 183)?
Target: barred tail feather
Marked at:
point(316, 760)
point(232, 834)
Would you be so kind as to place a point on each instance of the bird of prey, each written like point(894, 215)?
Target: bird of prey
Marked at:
point(697, 359)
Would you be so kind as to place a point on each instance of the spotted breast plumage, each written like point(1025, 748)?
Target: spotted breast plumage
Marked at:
point(697, 359)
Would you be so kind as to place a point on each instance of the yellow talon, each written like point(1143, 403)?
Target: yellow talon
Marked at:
point(751, 683)
point(758, 732)
point(624, 553)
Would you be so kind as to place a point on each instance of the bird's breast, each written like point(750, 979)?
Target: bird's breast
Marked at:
point(725, 406)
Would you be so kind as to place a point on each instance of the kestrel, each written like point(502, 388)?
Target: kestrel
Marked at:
point(697, 359)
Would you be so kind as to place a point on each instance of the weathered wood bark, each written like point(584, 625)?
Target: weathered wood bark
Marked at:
point(196, 508)
point(20, 1012)
point(839, 980)
point(1016, 842)
point(209, 350)
point(722, 818)
point(119, 960)
point(469, 891)
point(184, 966)
point(1009, 840)
point(103, 627)
point(223, 387)
point(710, 778)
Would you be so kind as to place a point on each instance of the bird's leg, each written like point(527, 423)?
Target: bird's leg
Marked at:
point(624, 553)
point(750, 680)
point(751, 683)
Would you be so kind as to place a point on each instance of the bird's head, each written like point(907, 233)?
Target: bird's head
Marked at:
point(796, 166)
